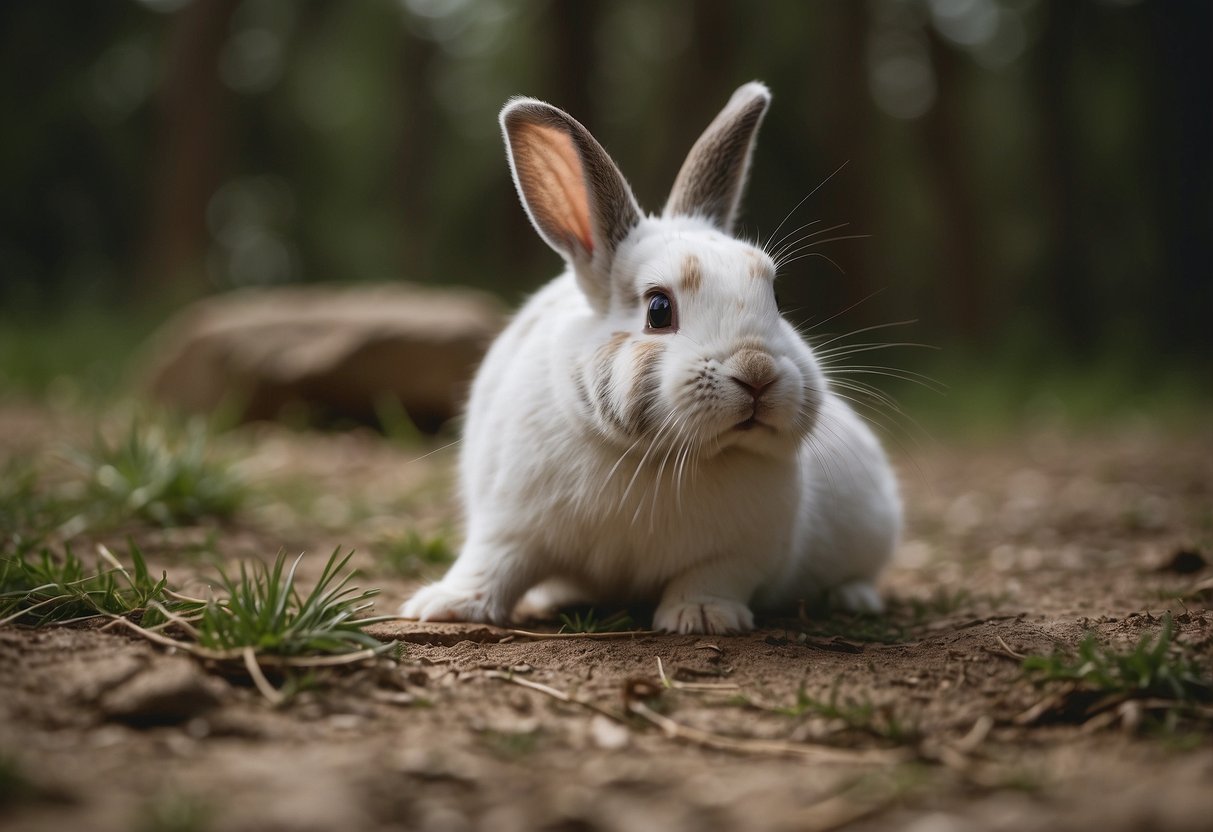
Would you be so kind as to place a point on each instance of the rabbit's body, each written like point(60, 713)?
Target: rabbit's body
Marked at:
point(702, 464)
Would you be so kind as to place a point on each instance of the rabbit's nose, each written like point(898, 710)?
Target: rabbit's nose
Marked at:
point(753, 370)
point(755, 390)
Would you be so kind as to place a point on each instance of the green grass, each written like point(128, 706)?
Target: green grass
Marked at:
point(587, 621)
point(510, 745)
point(49, 587)
point(415, 554)
point(882, 629)
point(1023, 385)
point(15, 785)
point(857, 714)
point(73, 356)
point(265, 610)
point(175, 813)
point(161, 472)
point(1156, 667)
point(1174, 689)
point(28, 511)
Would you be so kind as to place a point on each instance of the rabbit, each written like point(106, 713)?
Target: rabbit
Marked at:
point(648, 427)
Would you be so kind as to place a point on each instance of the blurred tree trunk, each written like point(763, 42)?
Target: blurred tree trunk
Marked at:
point(841, 110)
point(567, 63)
point(416, 162)
point(572, 56)
point(961, 274)
point(1068, 285)
point(700, 82)
point(1180, 134)
point(186, 171)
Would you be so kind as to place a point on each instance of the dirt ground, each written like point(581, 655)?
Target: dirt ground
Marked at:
point(1014, 547)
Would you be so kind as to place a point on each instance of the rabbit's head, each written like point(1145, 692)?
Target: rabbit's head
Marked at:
point(687, 347)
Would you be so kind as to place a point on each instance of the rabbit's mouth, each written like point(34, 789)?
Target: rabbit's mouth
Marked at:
point(751, 423)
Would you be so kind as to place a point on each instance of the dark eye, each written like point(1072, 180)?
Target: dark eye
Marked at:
point(661, 311)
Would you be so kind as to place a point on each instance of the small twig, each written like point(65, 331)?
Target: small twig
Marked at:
point(177, 596)
point(267, 690)
point(695, 687)
point(838, 810)
point(10, 619)
point(1012, 653)
point(541, 636)
point(553, 692)
point(531, 634)
point(173, 618)
point(708, 739)
point(720, 742)
point(238, 653)
point(976, 736)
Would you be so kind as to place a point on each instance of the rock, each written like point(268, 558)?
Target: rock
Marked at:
point(338, 350)
point(170, 691)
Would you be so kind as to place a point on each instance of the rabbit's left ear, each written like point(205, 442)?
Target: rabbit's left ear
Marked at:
point(711, 180)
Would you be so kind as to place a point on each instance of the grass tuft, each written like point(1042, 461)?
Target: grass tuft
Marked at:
point(577, 621)
point(29, 512)
point(415, 554)
point(881, 629)
point(1155, 668)
point(175, 813)
point(855, 714)
point(264, 610)
point(50, 588)
point(162, 473)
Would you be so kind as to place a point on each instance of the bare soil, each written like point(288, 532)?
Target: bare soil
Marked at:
point(1017, 546)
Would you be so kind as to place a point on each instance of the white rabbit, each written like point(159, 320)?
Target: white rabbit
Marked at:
point(649, 427)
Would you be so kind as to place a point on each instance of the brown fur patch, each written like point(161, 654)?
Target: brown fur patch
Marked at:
point(754, 367)
point(608, 351)
point(692, 274)
point(602, 376)
point(647, 357)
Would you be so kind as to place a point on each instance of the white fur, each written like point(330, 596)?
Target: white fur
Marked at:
point(691, 513)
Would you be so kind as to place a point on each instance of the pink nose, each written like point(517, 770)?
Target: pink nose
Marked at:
point(755, 390)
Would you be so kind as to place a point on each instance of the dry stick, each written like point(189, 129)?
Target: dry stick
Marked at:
point(10, 619)
point(173, 618)
point(1013, 654)
point(837, 811)
point(555, 693)
point(695, 687)
point(542, 636)
point(238, 653)
point(509, 631)
point(270, 692)
point(824, 754)
point(708, 739)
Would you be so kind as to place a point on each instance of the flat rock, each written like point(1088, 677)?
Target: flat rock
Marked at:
point(338, 350)
point(169, 691)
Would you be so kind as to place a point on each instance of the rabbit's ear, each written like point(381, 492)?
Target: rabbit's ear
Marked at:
point(713, 176)
point(574, 194)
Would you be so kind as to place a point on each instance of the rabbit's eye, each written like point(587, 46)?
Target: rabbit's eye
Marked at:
point(661, 311)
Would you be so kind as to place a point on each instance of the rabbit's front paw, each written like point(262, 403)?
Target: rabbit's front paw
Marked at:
point(442, 602)
point(706, 615)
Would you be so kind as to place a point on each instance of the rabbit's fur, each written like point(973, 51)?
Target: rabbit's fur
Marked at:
point(706, 465)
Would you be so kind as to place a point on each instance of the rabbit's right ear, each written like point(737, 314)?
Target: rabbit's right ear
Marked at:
point(711, 180)
point(574, 194)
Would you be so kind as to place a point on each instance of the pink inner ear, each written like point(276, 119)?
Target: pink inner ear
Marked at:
point(550, 170)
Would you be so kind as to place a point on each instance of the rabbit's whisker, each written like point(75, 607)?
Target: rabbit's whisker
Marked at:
point(806, 197)
point(791, 247)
